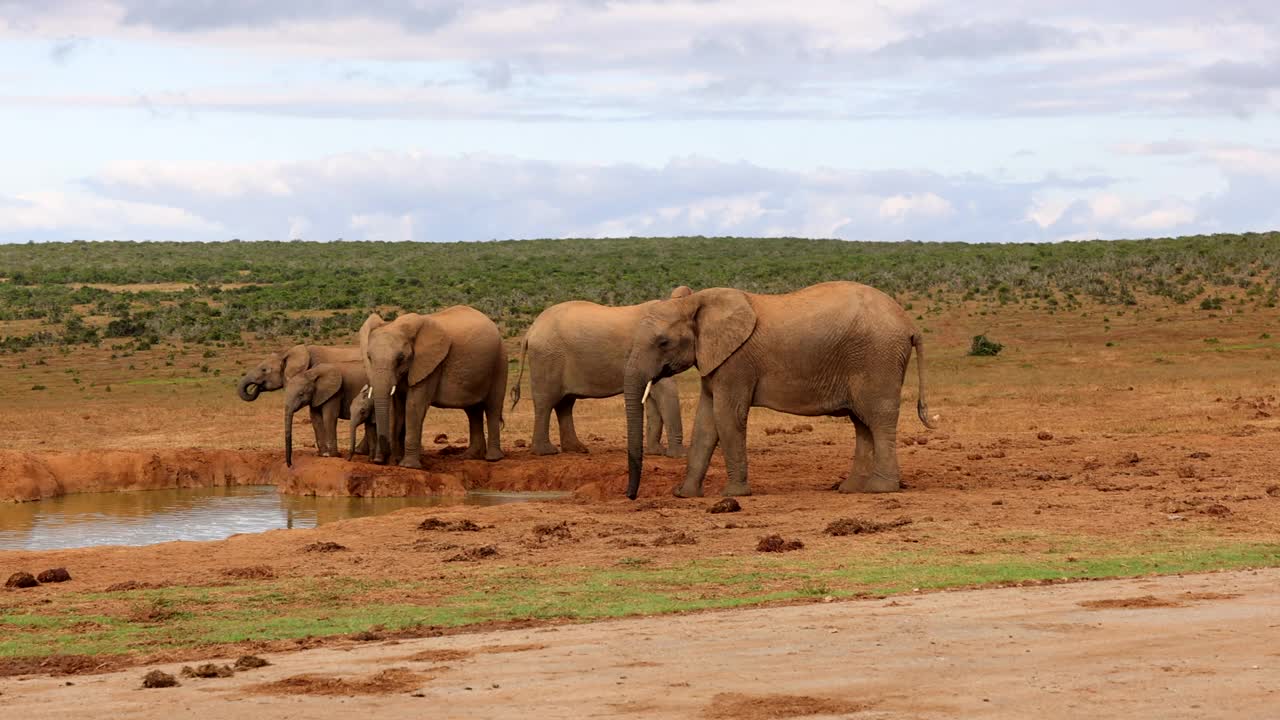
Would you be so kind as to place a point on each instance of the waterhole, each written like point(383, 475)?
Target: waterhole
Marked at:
point(155, 516)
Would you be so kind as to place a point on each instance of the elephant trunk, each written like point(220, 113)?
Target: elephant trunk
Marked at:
point(382, 420)
point(633, 388)
point(355, 425)
point(289, 409)
point(248, 389)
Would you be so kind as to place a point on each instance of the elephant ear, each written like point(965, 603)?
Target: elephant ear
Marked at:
point(371, 323)
point(681, 291)
point(328, 383)
point(430, 346)
point(296, 360)
point(725, 319)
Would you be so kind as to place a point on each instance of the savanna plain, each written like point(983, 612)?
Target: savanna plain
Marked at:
point(1123, 432)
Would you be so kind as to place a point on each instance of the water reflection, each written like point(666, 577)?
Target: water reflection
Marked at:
point(143, 518)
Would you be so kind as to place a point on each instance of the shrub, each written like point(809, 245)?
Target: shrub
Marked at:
point(984, 347)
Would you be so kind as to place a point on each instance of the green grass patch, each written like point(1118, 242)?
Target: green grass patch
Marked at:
point(333, 606)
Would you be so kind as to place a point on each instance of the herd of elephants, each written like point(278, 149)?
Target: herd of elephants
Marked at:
point(833, 349)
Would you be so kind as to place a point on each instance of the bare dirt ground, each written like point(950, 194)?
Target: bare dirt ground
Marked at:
point(1200, 646)
point(1093, 435)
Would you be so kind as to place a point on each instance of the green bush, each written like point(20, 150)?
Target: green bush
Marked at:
point(984, 347)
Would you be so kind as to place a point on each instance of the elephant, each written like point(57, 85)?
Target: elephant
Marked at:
point(327, 389)
point(836, 349)
point(361, 412)
point(578, 349)
point(453, 358)
point(275, 370)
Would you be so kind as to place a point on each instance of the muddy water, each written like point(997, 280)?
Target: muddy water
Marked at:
point(155, 516)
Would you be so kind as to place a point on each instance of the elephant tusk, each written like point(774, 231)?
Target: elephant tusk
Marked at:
point(367, 391)
point(647, 388)
point(393, 389)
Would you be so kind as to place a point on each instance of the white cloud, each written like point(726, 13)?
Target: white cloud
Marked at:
point(66, 216)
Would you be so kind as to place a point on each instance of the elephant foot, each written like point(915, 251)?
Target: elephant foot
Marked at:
point(411, 461)
point(655, 450)
point(474, 453)
point(574, 447)
point(677, 451)
point(547, 449)
point(688, 491)
point(494, 455)
point(873, 484)
point(325, 453)
point(736, 490)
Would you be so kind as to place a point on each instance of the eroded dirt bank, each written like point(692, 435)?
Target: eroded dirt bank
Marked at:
point(27, 476)
point(1171, 647)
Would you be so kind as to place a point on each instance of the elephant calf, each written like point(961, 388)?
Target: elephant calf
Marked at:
point(838, 348)
point(277, 368)
point(327, 389)
point(578, 349)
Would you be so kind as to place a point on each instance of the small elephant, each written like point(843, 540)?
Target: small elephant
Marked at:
point(453, 358)
point(275, 370)
point(327, 389)
point(578, 349)
point(838, 349)
point(362, 413)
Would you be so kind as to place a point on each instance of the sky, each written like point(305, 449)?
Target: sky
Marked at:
point(444, 120)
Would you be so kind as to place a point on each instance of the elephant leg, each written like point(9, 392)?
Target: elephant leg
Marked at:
point(329, 419)
point(415, 411)
point(705, 439)
point(653, 425)
point(475, 421)
point(885, 475)
point(317, 427)
point(493, 413)
point(363, 447)
point(569, 441)
point(863, 457)
point(542, 406)
point(731, 428)
point(669, 406)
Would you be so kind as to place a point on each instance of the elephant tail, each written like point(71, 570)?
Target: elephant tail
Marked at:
point(922, 407)
point(515, 391)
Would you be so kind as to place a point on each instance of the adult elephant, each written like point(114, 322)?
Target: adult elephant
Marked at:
point(277, 368)
point(837, 348)
point(578, 349)
point(450, 359)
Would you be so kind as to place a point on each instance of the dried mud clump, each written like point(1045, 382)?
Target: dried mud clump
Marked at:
point(775, 543)
point(793, 430)
point(250, 662)
point(727, 505)
point(159, 679)
point(858, 526)
point(553, 531)
point(1216, 510)
point(386, 682)
point(473, 554)
point(441, 439)
point(252, 572)
point(324, 547)
point(54, 575)
point(208, 670)
point(1044, 435)
point(1144, 601)
point(456, 526)
point(735, 706)
point(21, 580)
point(678, 537)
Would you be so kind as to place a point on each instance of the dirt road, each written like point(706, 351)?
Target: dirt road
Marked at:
point(1202, 646)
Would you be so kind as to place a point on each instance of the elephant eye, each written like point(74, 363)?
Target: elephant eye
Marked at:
point(664, 341)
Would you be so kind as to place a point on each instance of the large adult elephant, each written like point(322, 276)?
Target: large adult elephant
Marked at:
point(277, 368)
point(450, 359)
point(837, 348)
point(578, 349)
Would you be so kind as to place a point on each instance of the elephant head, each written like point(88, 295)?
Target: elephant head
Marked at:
point(404, 351)
point(361, 412)
point(273, 372)
point(701, 329)
point(308, 388)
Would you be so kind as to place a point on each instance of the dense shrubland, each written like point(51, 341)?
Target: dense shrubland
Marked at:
point(324, 290)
